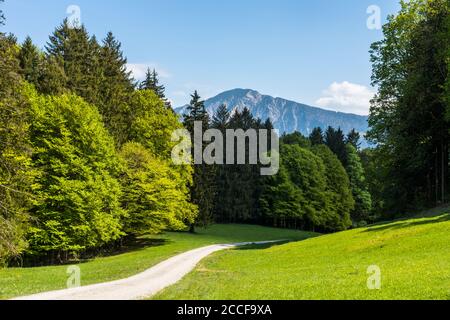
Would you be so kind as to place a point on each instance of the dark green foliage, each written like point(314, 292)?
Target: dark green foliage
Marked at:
point(335, 140)
point(202, 189)
point(78, 55)
point(353, 138)
point(297, 195)
point(410, 68)
point(116, 87)
point(30, 62)
point(363, 199)
point(316, 136)
point(341, 202)
point(296, 138)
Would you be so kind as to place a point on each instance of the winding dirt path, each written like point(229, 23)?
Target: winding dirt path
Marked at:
point(145, 284)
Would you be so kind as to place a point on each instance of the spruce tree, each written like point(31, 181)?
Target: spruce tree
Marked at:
point(335, 140)
point(79, 56)
point(316, 136)
point(30, 62)
point(151, 82)
point(353, 138)
point(202, 190)
point(115, 89)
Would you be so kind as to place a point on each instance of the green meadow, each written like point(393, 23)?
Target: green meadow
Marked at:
point(412, 255)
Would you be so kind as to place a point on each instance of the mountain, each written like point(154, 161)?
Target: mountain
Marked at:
point(287, 116)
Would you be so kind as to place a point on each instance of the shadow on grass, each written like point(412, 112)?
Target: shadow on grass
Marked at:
point(404, 223)
point(129, 246)
point(265, 246)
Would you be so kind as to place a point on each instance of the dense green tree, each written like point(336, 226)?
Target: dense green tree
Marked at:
point(78, 192)
point(341, 202)
point(335, 140)
point(30, 62)
point(353, 138)
point(363, 199)
point(16, 174)
point(407, 115)
point(202, 190)
point(307, 173)
point(222, 180)
point(316, 136)
point(115, 89)
point(296, 138)
point(151, 124)
point(152, 195)
point(79, 56)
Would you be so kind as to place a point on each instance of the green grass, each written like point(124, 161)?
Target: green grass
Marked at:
point(413, 255)
point(24, 281)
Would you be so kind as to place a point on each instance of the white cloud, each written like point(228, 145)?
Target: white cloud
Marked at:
point(139, 70)
point(347, 97)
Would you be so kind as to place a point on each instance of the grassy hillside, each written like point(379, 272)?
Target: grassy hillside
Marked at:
point(413, 255)
point(24, 281)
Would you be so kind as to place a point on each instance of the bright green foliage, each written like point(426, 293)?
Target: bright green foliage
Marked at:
point(363, 199)
point(152, 124)
point(79, 196)
point(152, 195)
point(16, 176)
point(340, 197)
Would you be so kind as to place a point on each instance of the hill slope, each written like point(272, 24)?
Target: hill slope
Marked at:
point(413, 256)
point(287, 116)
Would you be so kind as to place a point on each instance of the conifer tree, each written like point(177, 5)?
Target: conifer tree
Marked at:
point(202, 190)
point(316, 136)
point(151, 82)
point(78, 55)
point(30, 62)
point(353, 138)
point(335, 140)
point(115, 89)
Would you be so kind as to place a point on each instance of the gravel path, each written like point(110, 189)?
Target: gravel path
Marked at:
point(145, 284)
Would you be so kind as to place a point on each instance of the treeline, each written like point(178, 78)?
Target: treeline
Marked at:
point(320, 185)
point(85, 151)
point(409, 118)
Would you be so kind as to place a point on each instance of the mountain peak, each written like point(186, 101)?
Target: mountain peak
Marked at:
point(287, 116)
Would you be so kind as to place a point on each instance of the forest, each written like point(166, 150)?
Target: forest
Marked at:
point(85, 149)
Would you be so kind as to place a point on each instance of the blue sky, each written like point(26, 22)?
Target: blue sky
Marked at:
point(314, 52)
